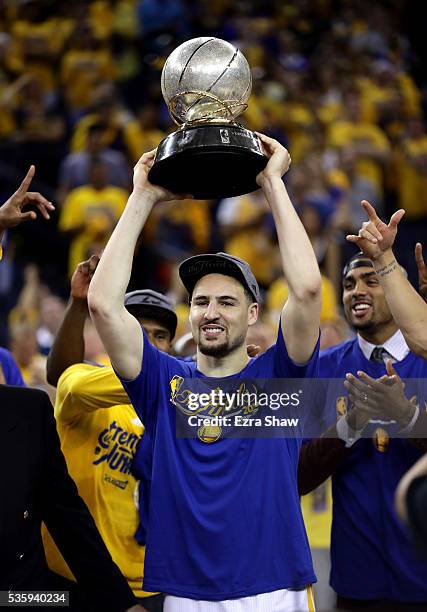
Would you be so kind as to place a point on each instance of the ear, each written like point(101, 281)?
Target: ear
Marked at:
point(253, 312)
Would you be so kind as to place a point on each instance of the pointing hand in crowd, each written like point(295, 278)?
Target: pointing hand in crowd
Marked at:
point(11, 213)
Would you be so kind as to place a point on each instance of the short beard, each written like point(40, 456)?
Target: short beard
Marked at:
point(221, 350)
point(368, 326)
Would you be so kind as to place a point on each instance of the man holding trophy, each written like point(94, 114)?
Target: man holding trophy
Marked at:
point(225, 530)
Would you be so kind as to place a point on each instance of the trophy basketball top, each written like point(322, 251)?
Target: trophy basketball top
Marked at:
point(206, 80)
point(206, 83)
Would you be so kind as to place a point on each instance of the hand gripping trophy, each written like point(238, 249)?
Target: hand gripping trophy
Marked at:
point(206, 83)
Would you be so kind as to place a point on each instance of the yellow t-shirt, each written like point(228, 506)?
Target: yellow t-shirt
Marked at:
point(95, 212)
point(81, 71)
point(344, 133)
point(317, 513)
point(278, 294)
point(99, 432)
point(412, 181)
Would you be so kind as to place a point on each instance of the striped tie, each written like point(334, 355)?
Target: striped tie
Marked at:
point(379, 354)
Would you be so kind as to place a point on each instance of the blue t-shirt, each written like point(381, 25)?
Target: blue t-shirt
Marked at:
point(224, 519)
point(372, 556)
point(11, 372)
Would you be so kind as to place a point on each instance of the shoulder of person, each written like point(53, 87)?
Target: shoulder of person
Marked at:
point(335, 353)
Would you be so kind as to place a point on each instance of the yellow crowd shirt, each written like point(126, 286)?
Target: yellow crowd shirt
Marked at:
point(279, 291)
point(344, 133)
point(99, 432)
point(93, 214)
point(412, 175)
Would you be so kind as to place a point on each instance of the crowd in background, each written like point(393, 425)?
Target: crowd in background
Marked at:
point(339, 83)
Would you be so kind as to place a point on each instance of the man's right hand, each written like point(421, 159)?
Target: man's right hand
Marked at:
point(375, 237)
point(82, 276)
point(11, 213)
point(279, 161)
point(141, 184)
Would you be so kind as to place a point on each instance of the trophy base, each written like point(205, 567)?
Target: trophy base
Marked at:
point(209, 161)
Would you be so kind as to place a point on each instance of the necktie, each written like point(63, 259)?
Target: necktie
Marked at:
point(379, 354)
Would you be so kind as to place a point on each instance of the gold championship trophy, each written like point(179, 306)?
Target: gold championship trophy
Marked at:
point(206, 83)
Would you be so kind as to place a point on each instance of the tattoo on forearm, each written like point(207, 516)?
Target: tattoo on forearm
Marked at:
point(388, 269)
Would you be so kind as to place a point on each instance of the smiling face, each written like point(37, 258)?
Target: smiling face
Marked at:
point(220, 315)
point(365, 306)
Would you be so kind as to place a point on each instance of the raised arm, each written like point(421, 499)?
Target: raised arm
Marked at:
point(69, 347)
point(120, 332)
point(375, 239)
point(301, 314)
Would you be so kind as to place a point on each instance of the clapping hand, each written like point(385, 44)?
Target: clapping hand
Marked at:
point(380, 398)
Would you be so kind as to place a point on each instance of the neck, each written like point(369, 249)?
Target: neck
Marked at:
point(380, 335)
point(217, 367)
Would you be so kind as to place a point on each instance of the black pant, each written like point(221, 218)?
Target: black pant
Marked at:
point(379, 605)
point(153, 603)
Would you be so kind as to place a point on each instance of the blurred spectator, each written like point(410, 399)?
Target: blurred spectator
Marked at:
point(366, 142)
point(261, 335)
point(90, 213)
point(120, 127)
point(52, 310)
point(180, 228)
point(247, 233)
point(146, 135)
point(74, 170)
point(278, 293)
point(39, 130)
point(23, 346)
point(411, 167)
point(86, 64)
point(411, 182)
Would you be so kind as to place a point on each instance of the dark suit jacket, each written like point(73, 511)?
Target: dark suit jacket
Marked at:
point(35, 487)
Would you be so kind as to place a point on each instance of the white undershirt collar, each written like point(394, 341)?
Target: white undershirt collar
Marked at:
point(395, 346)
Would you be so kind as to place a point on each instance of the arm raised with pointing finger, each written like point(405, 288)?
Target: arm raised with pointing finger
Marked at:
point(375, 239)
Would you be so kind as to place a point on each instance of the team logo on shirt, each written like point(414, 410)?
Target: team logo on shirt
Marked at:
point(209, 433)
point(381, 439)
point(242, 400)
point(341, 405)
